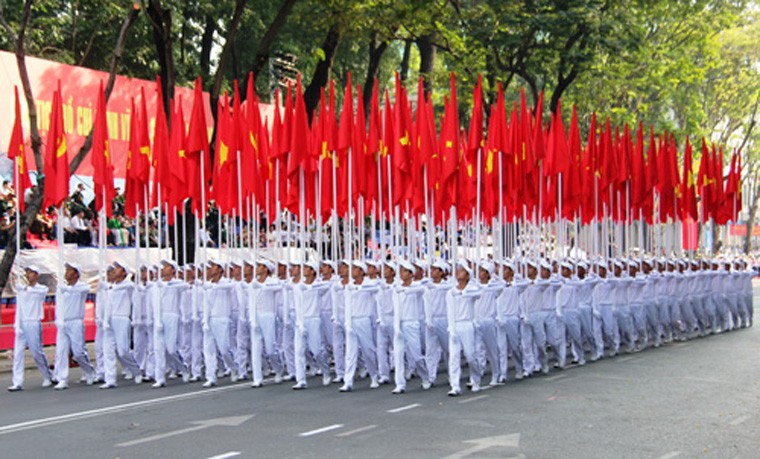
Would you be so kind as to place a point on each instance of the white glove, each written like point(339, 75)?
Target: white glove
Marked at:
point(59, 324)
point(206, 328)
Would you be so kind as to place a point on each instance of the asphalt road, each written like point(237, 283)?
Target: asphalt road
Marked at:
point(695, 399)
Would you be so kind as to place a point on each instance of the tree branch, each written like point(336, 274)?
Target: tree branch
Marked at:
point(228, 41)
point(118, 50)
point(262, 52)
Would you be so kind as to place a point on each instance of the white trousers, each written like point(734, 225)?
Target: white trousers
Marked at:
point(264, 346)
point(217, 340)
point(29, 335)
point(116, 345)
point(407, 342)
point(360, 337)
point(166, 344)
point(436, 345)
point(463, 340)
point(310, 338)
point(385, 348)
point(70, 337)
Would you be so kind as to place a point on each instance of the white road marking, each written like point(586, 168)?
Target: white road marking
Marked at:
point(624, 359)
point(739, 420)
point(356, 431)
point(44, 422)
point(482, 444)
point(231, 421)
point(473, 399)
point(555, 378)
point(670, 455)
point(404, 408)
point(225, 455)
point(321, 430)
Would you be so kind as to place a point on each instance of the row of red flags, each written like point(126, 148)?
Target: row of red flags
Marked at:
point(395, 155)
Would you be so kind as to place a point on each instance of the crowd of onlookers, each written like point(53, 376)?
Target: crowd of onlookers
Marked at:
point(79, 222)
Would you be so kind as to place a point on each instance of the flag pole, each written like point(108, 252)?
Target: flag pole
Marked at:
point(19, 197)
point(147, 218)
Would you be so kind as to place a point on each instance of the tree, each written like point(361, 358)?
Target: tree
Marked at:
point(33, 208)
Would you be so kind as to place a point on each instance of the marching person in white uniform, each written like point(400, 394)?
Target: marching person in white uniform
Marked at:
point(308, 331)
point(360, 303)
point(28, 328)
point(408, 305)
point(217, 310)
point(460, 307)
point(118, 325)
point(69, 320)
point(166, 318)
point(262, 314)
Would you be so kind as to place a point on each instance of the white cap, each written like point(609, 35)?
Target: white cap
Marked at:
point(237, 263)
point(360, 264)
point(566, 264)
point(32, 268)
point(312, 264)
point(391, 265)
point(420, 263)
point(583, 265)
point(216, 262)
point(464, 265)
point(119, 264)
point(531, 262)
point(73, 266)
point(619, 264)
point(331, 264)
point(268, 264)
point(488, 266)
point(546, 264)
point(405, 264)
point(378, 264)
point(508, 264)
point(442, 265)
point(170, 263)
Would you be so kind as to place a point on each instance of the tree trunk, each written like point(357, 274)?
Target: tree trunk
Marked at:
point(262, 53)
point(161, 20)
point(33, 207)
point(115, 60)
point(717, 244)
point(376, 51)
point(427, 59)
point(207, 41)
point(403, 72)
point(324, 67)
point(229, 39)
point(747, 246)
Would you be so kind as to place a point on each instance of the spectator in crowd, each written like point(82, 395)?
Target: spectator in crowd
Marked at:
point(80, 228)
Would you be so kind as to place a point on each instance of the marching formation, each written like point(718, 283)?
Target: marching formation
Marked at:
point(348, 319)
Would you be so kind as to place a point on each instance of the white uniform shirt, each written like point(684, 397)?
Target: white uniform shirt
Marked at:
point(29, 302)
point(70, 301)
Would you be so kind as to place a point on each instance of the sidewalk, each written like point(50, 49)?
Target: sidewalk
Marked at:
point(6, 358)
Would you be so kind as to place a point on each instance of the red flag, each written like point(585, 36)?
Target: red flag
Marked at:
point(688, 195)
point(160, 158)
point(475, 140)
point(56, 156)
point(177, 161)
point(449, 151)
point(101, 159)
point(142, 161)
point(197, 150)
point(133, 189)
point(16, 150)
point(346, 119)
